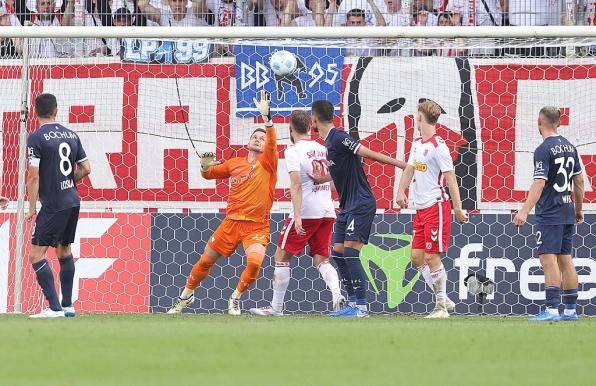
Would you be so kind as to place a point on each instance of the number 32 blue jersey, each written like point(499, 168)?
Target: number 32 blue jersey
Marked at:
point(55, 150)
point(556, 161)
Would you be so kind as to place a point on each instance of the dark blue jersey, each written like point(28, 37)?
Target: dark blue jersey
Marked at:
point(55, 150)
point(556, 161)
point(346, 170)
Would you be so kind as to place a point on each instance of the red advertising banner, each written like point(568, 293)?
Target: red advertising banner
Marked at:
point(112, 260)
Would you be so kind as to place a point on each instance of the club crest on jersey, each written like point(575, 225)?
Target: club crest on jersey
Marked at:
point(421, 167)
point(425, 152)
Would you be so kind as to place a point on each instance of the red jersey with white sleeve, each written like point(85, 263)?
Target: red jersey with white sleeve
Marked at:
point(432, 223)
point(317, 210)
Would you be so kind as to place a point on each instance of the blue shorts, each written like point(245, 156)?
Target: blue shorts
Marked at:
point(555, 239)
point(354, 225)
point(53, 228)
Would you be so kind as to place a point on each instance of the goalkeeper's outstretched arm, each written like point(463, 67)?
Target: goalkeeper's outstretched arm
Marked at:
point(269, 157)
point(212, 169)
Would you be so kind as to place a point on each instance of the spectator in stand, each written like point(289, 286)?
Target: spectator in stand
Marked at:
point(394, 16)
point(9, 47)
point(444, 20)
point(120, 18)
point(423, 17)
point(371, 16)
point(174, 13)
point(95, 14)
point(357, 18)
point(531, 13)
point(488, 12)
point(7, 8)
point(274, 10)
point(47, 14)
point(316, 16)
point(133, 7)
point(224, 12)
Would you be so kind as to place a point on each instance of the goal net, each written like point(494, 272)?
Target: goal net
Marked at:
point(145, 109)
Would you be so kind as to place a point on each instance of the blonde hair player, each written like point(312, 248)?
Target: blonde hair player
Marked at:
point(431, 165)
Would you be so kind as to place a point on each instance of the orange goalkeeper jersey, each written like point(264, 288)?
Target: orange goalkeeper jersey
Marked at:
point(251, 185)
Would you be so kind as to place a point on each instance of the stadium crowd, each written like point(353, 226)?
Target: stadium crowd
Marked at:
point(225, 13)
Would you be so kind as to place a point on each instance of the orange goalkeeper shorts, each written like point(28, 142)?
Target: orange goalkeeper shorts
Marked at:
point(230, 233)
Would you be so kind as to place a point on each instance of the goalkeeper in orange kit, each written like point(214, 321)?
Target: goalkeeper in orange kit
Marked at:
point(252, 184)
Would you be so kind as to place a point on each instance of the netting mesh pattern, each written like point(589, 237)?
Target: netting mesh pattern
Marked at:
point(141, 122)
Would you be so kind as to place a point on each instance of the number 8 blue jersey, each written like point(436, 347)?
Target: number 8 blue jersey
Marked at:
point(556, 161)
point(55, 150)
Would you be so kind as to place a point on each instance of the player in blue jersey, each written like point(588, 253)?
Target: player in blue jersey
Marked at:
point(57, 162)
point(557, 173)
point(356, 201)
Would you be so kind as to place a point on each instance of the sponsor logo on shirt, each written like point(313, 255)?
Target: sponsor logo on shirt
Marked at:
point(240, 179)
point(538, 168)
point(421, 167)
point(316, 154)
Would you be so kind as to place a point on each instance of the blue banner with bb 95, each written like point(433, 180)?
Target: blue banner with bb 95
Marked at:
point(317, 76)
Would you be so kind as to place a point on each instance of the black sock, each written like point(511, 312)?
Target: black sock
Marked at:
point(45, 278)
point(359, 279)
point(344, 272)
point(67, 271)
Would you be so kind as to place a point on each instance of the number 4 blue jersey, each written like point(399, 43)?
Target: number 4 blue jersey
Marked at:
point(345, 167)
point(55, 150)
point(556, 161)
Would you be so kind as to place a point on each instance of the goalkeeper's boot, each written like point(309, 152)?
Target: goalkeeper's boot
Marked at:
point(181, 304)
point(571, 317)
point(449, 305)
point(69, 312)
point(48, 313)
point(440, 312)
point(338, 303)
point(265, 311)
point(546, 316)
point(234, 307)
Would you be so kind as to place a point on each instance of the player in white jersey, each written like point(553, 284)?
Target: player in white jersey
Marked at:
point(311, 221)
point(430, 164)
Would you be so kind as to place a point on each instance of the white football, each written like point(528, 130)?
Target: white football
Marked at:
point(283, 62)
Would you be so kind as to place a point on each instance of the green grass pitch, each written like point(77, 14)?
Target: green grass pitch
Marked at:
point(296, 350)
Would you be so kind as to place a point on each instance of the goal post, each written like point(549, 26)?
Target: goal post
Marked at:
point(143, 115)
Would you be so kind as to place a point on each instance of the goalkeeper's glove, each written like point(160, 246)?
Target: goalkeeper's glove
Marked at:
point(264, 107)
point(208, 160)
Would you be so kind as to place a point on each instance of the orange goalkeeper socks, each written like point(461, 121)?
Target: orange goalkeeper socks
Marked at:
point(250, 273)
point(199, 271)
